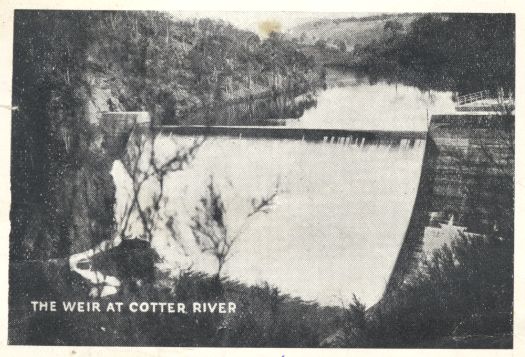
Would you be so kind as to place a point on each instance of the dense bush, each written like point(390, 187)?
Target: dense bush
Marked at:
point(459, 293)
point(264, 317)
point(458, 52)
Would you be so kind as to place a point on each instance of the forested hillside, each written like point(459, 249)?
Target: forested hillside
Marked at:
point(69, 66)
point(457, 52)
point(177, 66)
point(352, 31)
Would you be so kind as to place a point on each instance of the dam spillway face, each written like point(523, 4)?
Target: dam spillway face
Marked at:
point(332, 221)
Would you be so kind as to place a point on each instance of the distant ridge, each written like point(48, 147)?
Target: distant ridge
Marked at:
point(351, 30)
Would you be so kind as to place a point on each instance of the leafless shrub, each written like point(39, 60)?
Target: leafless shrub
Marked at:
point(210, 229)
point(145, 169)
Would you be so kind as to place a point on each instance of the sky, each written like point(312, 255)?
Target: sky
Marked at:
point(252, 20)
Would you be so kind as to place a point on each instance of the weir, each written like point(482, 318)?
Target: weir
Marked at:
point(465, 180)
point(339, 136)
point(342, 211)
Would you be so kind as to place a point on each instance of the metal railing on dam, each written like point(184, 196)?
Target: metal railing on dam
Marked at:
point(336, 136)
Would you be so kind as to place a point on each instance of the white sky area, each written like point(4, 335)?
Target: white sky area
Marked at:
point(250, 20)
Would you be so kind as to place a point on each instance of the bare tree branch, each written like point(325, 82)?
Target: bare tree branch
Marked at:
point(209, 224)
point(143, 165)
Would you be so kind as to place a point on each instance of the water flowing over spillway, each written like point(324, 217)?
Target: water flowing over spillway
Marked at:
point(337, 225)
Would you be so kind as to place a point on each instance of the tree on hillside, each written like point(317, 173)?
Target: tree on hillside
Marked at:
point(321, 44)
point(341, 45)
point(393, 27)
point(147, 171)
point(140, 219)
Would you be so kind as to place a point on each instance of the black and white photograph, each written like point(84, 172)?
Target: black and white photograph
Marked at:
point(279, 179)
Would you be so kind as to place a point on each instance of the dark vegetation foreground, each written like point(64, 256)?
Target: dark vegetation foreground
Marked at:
point(264, 317)
point(459, 297)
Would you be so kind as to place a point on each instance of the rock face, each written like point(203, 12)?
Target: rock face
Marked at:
point(467, 180)
point(88, 190)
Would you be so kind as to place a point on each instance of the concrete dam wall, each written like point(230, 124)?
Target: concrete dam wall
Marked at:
point(466, 185)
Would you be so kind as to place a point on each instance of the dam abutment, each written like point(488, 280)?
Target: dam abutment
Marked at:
point(466, 186)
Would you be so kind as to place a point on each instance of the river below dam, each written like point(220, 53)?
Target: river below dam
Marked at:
point(342, 210)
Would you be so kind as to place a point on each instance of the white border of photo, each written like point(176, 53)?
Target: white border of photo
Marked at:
point(277, 9)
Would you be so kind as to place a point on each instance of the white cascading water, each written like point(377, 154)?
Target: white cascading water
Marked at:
point(341, 217)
